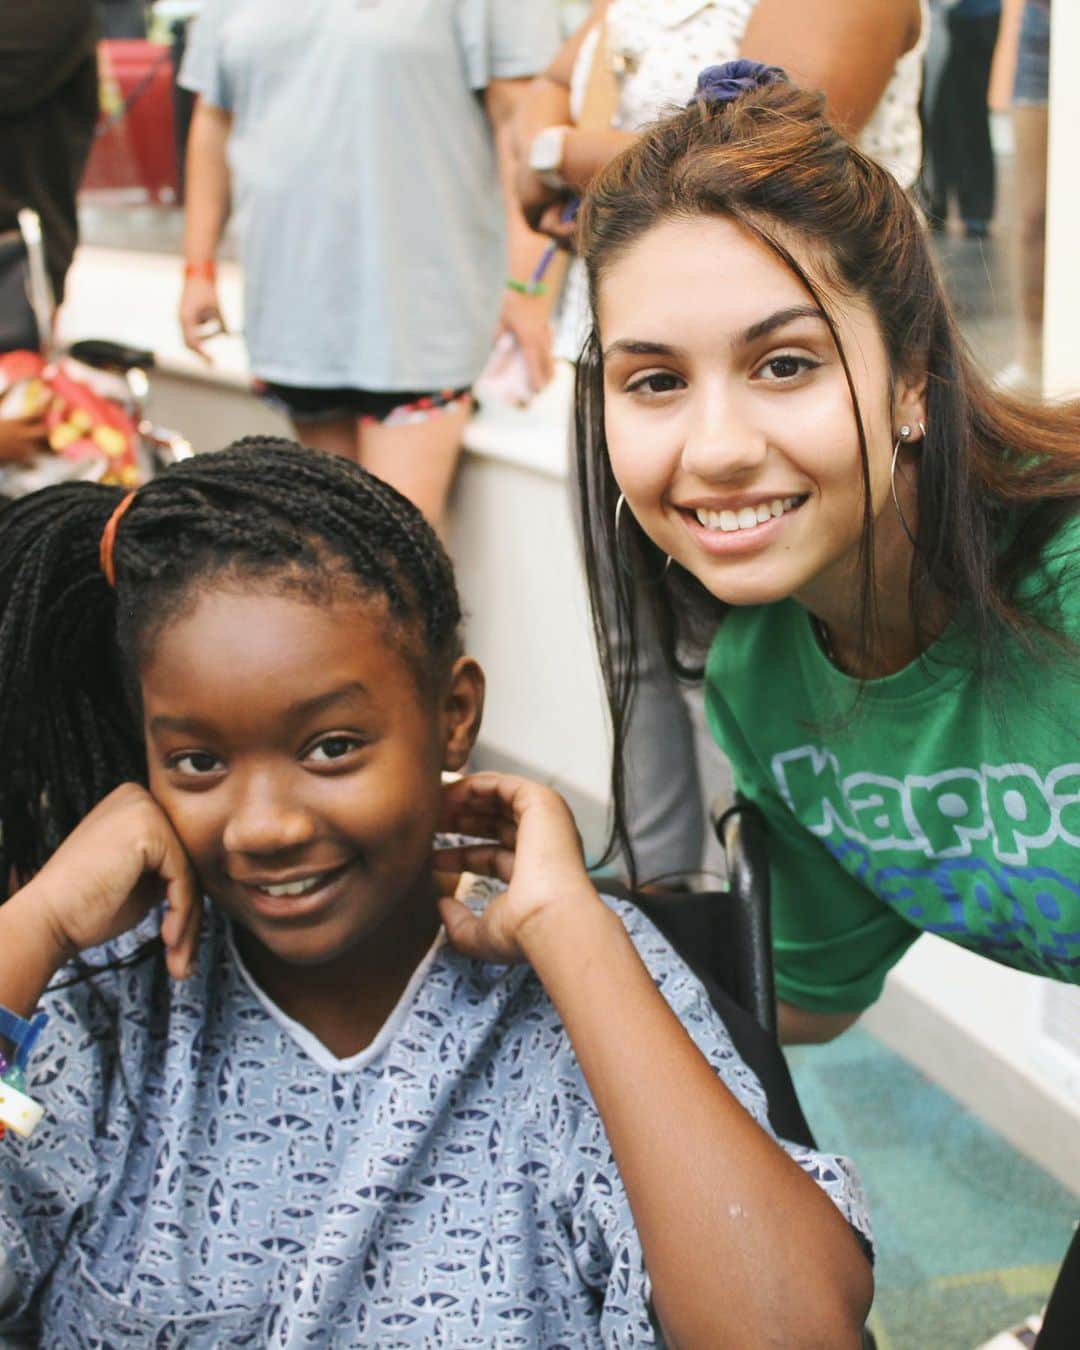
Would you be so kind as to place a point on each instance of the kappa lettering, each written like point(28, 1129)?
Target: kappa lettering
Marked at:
point(941, 815)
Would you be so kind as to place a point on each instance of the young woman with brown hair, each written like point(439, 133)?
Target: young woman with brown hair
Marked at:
point(891, 668)
point(786, 444)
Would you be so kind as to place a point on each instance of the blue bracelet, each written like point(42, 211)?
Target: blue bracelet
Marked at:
point(22, 1034)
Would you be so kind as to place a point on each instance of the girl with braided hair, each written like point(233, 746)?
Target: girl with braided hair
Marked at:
point(345, 1099)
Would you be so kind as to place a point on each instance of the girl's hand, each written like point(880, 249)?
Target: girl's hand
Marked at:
point(21, 438)
point(537, 853)
point(200, 314)
point(113, 868)
point(525, 318)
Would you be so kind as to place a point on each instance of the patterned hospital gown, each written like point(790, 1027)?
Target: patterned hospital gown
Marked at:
point(209, 1175)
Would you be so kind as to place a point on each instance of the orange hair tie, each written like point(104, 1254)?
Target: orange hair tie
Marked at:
point(108, 537)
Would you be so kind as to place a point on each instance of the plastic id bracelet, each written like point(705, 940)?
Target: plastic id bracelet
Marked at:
point(18, 1111)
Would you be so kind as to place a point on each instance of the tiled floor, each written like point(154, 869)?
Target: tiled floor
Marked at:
point(969, 1233)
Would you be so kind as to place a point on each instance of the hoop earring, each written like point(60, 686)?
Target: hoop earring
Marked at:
point(623, 564)
point(905, 431)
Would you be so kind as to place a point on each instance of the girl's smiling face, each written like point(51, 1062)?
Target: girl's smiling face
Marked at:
point(728, 416)
point(290, 745)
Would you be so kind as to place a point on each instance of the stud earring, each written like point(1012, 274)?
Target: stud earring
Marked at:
point(905, 432)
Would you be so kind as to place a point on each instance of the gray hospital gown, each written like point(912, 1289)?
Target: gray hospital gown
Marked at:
point(208, 1175)
point(364, 179)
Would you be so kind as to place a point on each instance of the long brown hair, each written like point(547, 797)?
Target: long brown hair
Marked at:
point(997, 477)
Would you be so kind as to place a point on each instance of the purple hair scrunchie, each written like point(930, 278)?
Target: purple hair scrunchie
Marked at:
point(721, 84)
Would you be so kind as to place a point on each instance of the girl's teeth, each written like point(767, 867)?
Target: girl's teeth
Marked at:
point(292, 887)
point(747, 517)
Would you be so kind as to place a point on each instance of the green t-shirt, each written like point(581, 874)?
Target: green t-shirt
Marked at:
point(941, 800)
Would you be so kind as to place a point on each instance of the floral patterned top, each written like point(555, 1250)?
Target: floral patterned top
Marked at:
point(659, 47)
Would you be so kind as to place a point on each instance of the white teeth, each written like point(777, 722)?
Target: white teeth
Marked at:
point(747, 517)
point(292, 887)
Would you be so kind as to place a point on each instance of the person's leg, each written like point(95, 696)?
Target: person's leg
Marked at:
point(977, 179)
point(1030, 125)
point(665, 812)
point(336, 435)
point(972, 50)
point(322, 419)
point(931, 190)
point(941, 146)
point(418, 457)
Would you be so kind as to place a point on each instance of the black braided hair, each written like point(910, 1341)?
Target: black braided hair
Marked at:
point(69, 643)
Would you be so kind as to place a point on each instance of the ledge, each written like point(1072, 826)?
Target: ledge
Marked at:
point(133, 297)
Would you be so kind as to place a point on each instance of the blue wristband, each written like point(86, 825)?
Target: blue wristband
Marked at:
point(21, 1033)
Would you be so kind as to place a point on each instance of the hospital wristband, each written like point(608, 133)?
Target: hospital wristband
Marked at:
point(203, 271)
point(525, 287)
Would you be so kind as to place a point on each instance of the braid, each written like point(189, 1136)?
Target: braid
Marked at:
point(69, 644)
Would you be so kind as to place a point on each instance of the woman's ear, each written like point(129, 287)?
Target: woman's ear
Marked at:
point(463, 709)
point(909, 404)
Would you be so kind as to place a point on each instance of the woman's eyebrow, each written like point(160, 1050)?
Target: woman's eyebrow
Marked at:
point(635, 347)
point(756, 331)
point(769, 325)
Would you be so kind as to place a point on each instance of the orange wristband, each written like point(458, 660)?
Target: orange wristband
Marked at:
point(205, 271)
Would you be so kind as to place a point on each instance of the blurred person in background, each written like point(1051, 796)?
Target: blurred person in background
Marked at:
point(959, 163)
point(1030, 121)
point(122, 18)
point(362, 149)
point(48, 109)
point(867, 59)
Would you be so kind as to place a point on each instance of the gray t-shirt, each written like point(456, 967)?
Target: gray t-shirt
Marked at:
point(364, 178)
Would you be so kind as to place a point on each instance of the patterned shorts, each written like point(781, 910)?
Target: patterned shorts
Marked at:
point(398, 408)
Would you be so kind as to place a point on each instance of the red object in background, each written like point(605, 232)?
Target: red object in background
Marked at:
point(135, 146)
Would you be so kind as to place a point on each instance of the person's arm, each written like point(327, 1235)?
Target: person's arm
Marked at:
point(206, 213)
point(525, 316)
point(547, 100)
point(800, 1026)
point(847, 51)
point(717, 1202)
point(114, 866)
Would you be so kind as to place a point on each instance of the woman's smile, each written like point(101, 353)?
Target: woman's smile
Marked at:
point(728, 415)
point(727, 530)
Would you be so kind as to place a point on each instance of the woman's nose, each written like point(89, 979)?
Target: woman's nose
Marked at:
point(266, 817)
point(722, 441)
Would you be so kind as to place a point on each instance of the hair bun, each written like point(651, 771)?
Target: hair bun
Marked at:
point(720, 84)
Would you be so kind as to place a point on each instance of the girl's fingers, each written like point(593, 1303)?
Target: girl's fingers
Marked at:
point(471, 935)
point(180, 927)
point(487, 860)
